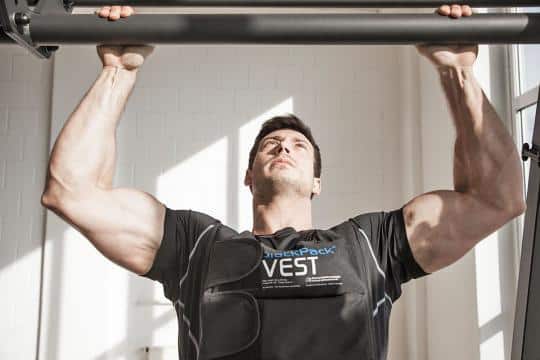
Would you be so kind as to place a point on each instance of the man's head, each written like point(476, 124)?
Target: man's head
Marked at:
point(284, 138)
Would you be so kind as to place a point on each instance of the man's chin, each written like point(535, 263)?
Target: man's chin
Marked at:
point(280, 165)
point(281, 175)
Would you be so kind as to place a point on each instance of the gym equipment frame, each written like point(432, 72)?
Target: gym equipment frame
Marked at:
point(42, 25)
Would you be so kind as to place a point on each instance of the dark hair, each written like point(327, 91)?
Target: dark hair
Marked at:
point(287, 121)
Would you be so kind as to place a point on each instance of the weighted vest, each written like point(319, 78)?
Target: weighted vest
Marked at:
point(242, 299)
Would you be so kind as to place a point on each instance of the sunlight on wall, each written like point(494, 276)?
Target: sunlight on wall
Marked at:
point(493, 348)
point(246, 135)
point(86, 284)
point(486, 252)
point(117, 297)
point(11, 269)
point(165, 326)
point(13, 284)
point(199, 182)
point(488, 292)
point(482, 69)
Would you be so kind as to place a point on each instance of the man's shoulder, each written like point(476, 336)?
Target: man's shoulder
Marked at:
point(199, 220)
point(189, 215)
point(363, 220)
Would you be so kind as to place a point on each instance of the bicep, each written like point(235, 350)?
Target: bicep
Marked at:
point(125, 225)
point(443, 225)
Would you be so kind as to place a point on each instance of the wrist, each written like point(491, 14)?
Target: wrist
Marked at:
point(455, 73)
point(119, 69)
point(119, 75)
point(117, 80)
point(455, 68)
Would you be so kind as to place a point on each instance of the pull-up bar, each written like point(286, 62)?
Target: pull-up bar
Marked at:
point(311, 3)
point(49, 24)
point(286, 29)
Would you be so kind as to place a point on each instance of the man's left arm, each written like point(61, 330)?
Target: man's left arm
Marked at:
point(444, 225)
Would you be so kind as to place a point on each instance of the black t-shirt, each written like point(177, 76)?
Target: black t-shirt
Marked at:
point(389, 257)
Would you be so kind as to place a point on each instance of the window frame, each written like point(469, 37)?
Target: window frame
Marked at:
point(518, 102)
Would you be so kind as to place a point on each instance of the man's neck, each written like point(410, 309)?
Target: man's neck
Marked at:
point(281, 212)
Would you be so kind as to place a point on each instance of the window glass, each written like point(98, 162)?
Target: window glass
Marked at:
point(529, 57)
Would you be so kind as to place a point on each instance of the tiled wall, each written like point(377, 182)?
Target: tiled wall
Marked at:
point(25, 87)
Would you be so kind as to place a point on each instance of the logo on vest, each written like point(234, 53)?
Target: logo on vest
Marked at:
point(292, 267)
point(295, 262)
point(299, 268)
point(301, 252)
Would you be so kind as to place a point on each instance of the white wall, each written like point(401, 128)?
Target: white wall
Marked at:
point(385, 134)
point(25, 87)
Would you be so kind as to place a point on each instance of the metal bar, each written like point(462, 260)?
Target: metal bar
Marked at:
point(525, 344)
point(526, 99)
point(286, 29)
point(312, 3)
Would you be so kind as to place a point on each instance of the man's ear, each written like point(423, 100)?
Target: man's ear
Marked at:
point(247, 179)
point(316, 186)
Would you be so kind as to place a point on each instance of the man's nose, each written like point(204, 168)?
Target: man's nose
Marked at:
point(283, 147)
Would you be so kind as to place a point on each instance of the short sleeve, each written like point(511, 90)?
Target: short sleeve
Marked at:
point(181, 229)
point(386, 234)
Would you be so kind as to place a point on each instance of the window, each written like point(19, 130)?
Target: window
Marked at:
point(528, 55)
point(525, 79)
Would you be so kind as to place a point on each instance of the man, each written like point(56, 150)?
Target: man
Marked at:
point(313, 294)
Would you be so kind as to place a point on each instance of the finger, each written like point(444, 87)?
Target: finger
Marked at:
point(106, 49)
point(144, 50)
point(126, 11)
point(104, 11)
point(115, 13)
point(444, 10)
point(466, 10)
point(456, 11)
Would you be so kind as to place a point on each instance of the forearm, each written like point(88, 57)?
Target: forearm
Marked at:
point(486, 162)
point(84, 153)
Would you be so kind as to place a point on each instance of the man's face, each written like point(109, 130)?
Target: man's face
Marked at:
point(283, 163)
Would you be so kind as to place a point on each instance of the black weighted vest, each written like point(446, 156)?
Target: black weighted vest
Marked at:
point(243, 300)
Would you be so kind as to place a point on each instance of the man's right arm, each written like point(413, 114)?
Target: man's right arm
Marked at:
point(125, 225)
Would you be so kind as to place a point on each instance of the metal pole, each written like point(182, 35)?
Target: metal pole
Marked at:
point(286, 29)
point(312, 3)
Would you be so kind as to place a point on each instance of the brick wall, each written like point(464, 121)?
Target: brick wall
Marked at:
point(25, 87)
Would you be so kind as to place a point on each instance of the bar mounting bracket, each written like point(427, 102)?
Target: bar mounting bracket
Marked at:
point(16, 16)
point(530, 152)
